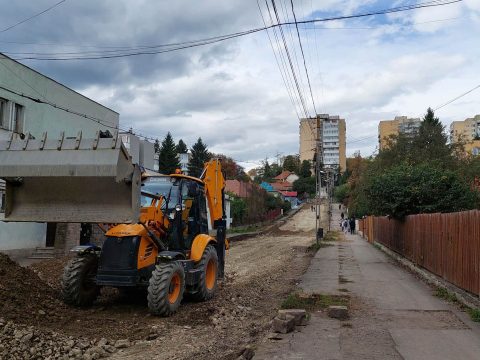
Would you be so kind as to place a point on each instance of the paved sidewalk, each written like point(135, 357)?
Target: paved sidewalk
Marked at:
point(393, 314)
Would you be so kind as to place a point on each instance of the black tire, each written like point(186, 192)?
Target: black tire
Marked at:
point(167, 279)
point(205, 290)
point(78, 282)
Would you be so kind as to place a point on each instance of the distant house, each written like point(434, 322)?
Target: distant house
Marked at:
point(291, 197)
point(240, 188)
point(286, 176)
point(266, 186)
point(282, 186)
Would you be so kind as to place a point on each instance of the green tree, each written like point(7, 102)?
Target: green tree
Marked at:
point(200, 156)
point(305, 186)
point(412, 189)
point(156, 146)
point(292, 163)
point(168, 158)
point(305, 169)
point(182, 147)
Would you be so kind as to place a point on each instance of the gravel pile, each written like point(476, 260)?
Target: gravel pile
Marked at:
point(26, 342)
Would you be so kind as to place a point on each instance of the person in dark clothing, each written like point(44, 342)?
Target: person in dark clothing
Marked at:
point(352, 225)
point(342, 215)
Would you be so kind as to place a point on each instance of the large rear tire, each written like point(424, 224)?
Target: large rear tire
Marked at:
point(207, 285)
point(166, 288)
point(78, 283)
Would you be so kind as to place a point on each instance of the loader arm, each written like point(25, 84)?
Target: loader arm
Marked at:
point(214, 181)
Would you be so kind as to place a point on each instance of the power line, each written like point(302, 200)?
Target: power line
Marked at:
point(303, 56)
point(164, 48)
point(458, 97)
point(278, 64)
point(32, 17)
point(290, 60)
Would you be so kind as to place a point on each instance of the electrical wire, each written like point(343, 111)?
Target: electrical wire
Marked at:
point(165, 48)
point(303, 56)
point(32, 17)
point(456, 98)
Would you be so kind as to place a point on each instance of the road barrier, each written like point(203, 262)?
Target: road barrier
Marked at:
point(447, 245)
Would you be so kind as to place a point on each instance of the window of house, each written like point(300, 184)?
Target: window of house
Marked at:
point(3, 114)
point(18, 117)
point(2, 198)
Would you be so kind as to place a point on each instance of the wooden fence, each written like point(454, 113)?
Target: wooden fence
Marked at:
point(447, 245)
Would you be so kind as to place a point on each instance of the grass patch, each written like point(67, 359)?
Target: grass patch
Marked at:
point(243, 229)
point(443, 293)
point(317, 246)
point(313, 302)
point(474, 314)
point(331, 236)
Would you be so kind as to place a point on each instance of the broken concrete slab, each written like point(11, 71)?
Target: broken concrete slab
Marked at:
point(300, 315)
point(338, 312)
point(283, 326)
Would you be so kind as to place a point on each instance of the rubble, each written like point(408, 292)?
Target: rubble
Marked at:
point(338, 312)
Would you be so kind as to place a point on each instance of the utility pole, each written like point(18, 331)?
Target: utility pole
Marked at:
point(318, 182)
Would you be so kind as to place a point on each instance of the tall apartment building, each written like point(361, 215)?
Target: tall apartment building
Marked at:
point(467, 131)
point(333, 138)
point(400, 125)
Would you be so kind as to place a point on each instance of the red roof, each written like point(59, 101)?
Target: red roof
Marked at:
point(283, 175)
point(239, 188)
point(289, 193)
point(282, 186)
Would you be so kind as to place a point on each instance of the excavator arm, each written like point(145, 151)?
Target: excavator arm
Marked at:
point(214, 181)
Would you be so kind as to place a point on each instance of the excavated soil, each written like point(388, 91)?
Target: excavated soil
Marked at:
point(260, 272)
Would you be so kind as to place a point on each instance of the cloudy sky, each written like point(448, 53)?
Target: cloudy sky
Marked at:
point(232, 93)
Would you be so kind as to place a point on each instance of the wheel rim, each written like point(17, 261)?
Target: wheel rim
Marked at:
point(174, 289)
point(210, 275)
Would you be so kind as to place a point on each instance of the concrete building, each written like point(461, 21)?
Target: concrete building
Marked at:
point(467, 131)
point(141, 151)
point(25, 96)
point(332, 133)
point(184, 159)
point(400, 125)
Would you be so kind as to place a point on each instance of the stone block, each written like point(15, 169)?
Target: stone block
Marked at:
point(338, 312)
point(283, 326)
point(300, 315)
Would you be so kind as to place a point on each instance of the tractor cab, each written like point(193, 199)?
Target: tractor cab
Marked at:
point(184, 205)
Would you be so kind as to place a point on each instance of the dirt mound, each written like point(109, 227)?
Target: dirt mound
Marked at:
point(51, 270)
point(24, 297)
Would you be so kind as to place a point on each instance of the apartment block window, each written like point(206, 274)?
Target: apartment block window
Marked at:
point(3, 114)
point(2, 200)
point(18, 118)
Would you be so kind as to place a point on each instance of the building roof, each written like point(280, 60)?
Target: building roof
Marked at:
point(2, 55)
point(283, 175)
point(239, 188)
point(289, 193)
point(282, 186)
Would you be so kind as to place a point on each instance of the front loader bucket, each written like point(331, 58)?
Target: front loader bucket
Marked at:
point(69, 180)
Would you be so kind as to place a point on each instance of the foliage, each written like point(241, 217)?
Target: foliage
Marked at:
point(167, 157)
point(156, 146)
point(231, 169)
point(305, 169)
point(200, 156)
point(405, 189)
point(341, 193)
point(182, 147)
point(305, 186)
point(292, 163)
point(414, 173)
point(238, 209)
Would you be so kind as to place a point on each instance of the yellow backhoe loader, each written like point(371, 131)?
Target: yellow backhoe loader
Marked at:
point(160, 238)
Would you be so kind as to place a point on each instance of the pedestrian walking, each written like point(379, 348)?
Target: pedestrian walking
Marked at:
point(352, 225)
point(342, 215)
point(345, 226)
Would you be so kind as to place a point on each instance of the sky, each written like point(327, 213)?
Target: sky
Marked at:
point(231, 94)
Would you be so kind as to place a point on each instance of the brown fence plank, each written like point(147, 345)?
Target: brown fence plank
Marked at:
point(447, 245)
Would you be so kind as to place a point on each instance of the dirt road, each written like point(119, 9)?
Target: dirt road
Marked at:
point(260, 272)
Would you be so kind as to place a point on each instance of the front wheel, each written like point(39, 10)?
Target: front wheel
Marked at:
point(207, 285)
point(78, 283)
point(166, 287)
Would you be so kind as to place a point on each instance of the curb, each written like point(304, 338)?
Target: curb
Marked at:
point(463, 297)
